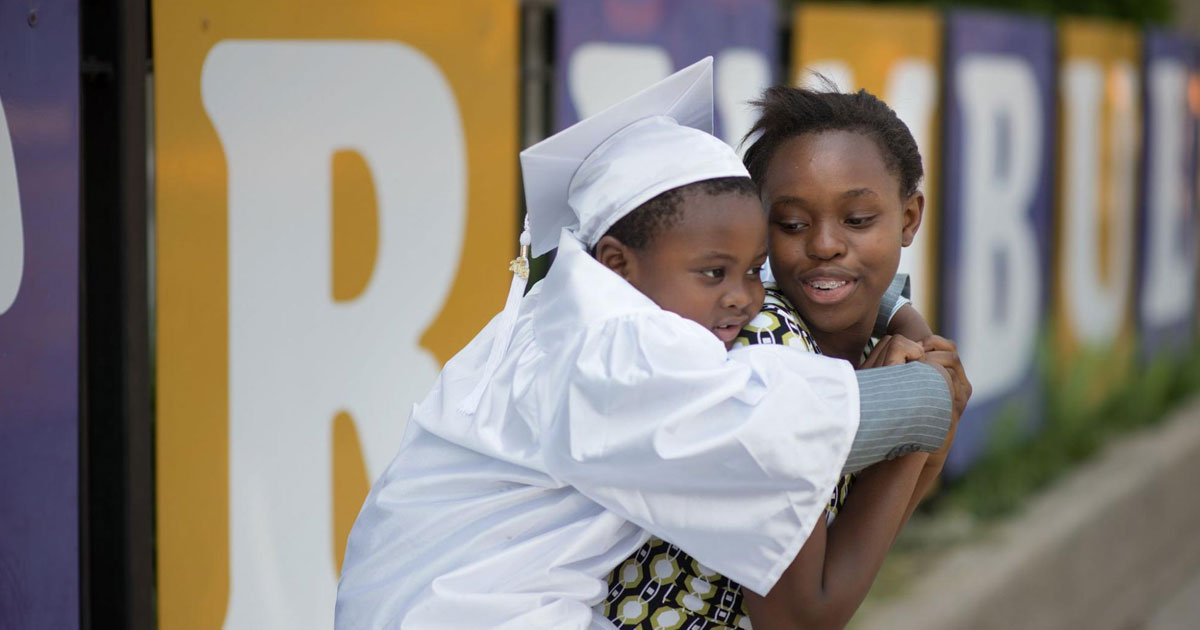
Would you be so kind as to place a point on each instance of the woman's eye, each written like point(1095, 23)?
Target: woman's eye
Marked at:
point(859, 221)
point(791, 226)
point(715, 274)
point(755, 271)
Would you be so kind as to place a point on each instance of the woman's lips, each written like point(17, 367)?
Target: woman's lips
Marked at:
point(828, 290)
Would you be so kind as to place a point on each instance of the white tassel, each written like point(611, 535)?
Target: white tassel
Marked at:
point(508, 318)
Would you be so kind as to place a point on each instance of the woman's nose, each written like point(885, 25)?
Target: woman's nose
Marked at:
point(825, 243)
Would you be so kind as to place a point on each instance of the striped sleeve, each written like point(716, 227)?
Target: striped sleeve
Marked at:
point(903, 409)
point(898, 293)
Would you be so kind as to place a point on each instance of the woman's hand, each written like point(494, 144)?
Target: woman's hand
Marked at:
point(943, 352)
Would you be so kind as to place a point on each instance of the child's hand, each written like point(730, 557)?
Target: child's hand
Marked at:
point(893, 350)
point(943, 352)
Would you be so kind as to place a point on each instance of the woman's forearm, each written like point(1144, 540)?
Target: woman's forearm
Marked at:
point(925, 483)
point(929, 475)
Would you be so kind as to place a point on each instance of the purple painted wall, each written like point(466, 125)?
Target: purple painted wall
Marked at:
point(39, 331)
point(1166, 246)
point(628, 44)
point(998, 162)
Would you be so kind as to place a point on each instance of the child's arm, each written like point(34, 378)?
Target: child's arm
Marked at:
point(909, 323)
point(881, 434)
point(894, 349)
point(831, 575)
point(943, 352)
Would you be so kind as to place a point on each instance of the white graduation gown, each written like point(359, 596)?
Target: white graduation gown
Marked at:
point(608, 420)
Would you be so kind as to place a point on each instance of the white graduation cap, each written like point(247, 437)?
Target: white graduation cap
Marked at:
point(596, 171)
point(589, 175)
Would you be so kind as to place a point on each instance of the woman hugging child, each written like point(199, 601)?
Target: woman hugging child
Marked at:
point(838, 176)
point(604, 407)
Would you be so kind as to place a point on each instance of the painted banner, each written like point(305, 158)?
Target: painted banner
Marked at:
point(1100, 109)
point(1167, 225)
point(896, 54)
point(336, 209)
point(609, 49)
point(39, 315)
point(999, 163)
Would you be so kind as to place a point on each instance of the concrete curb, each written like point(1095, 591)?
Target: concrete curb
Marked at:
point(1099, 550)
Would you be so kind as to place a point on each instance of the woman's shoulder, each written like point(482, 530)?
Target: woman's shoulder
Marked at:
point(777, 323)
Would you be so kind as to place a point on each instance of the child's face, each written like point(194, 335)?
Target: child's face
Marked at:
point(837, 223)
point(705, 267)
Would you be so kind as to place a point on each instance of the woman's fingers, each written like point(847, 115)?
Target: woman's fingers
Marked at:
point(944, 351)
point(961, 386)
point(936, 342)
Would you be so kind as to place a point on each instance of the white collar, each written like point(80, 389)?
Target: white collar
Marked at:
point(579, 291)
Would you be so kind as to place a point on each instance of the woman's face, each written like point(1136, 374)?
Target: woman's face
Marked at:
point(837, 223)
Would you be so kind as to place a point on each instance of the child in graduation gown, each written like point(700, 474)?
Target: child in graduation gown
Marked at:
point(838, 175)
point(603, 408)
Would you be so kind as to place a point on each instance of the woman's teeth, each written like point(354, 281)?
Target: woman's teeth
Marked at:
point(826, 284)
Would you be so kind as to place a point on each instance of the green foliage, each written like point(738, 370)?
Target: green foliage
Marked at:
point(1139, 11)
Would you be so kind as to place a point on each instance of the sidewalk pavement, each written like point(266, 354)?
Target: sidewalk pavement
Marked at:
point(1107, 547)
point(1182, 611)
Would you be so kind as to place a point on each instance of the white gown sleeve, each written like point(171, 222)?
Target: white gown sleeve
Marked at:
point(730, 456)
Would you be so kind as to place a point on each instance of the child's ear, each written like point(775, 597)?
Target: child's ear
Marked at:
point(616, 256)
point(913, 211)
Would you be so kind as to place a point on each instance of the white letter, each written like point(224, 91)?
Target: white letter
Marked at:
point(741, 75)
point(912, 91)
point(602, 74)
point(1096, 304)
point(281, 110)
point(998, 321)
point(12, 238)
point(1167, 277)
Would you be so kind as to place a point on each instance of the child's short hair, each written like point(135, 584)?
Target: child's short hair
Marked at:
point(639, 228)
point(788, 112)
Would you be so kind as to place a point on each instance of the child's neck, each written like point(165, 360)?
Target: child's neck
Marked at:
point(847, 344)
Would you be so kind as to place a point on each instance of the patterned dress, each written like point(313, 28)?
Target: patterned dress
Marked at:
point(663, 588)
